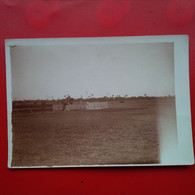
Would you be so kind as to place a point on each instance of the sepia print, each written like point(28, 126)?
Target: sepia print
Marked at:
point(96, 102)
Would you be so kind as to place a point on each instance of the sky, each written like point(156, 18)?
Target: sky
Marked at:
point(133, 69)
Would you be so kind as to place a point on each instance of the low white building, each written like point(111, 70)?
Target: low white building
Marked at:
point(96, 105)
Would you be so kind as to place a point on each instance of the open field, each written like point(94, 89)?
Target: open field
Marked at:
point(109, 136)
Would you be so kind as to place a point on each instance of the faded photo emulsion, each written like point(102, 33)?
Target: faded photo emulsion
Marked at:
point(96, 102)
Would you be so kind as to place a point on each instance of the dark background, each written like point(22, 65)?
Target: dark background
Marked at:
point(94, 18)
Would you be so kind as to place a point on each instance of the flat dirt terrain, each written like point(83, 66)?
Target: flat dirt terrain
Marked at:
point(95, 137)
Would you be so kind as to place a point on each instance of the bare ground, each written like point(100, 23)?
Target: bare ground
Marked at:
point(111, 136)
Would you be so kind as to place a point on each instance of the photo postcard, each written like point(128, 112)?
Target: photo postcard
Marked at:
point(95, 102)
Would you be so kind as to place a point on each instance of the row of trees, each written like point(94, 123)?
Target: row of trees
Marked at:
point(69, 100)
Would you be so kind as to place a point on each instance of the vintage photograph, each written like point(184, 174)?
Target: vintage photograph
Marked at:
point(92, 102)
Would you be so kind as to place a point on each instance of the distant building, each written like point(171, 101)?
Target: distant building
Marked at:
point(96, 105)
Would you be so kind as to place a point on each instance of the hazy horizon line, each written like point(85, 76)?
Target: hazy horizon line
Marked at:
point(85, 98)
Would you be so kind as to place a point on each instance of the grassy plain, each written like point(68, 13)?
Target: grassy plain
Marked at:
point(95, 137)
